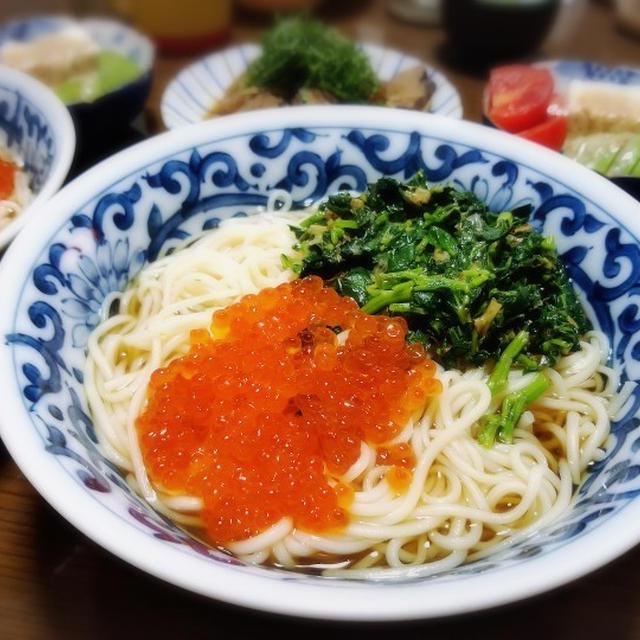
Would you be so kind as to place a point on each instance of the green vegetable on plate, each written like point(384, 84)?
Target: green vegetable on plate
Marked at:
point(612, 154)
point(112, 70)
point(302, 53)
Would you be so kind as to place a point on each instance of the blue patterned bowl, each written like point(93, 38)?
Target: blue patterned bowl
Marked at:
point(115, 108)
point(564, 71)
point(36, 127)
point(103, 227)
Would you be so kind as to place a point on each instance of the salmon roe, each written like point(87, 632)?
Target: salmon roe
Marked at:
point(399, 478)
point(7, 178)
point(397, 454)
point(276, 399)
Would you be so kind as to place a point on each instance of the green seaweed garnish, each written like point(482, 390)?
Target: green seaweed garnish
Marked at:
point(302, 53)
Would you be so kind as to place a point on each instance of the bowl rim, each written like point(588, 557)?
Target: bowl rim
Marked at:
point(553, 63)
point(113, 23)
point(245, 48)
point(335, 600)
point(64, 133)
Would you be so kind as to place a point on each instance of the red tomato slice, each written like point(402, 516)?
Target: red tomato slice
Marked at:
point(518, 96)
point(551, 133)
point(7, 175)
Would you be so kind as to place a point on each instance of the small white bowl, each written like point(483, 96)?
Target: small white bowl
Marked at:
point(197, 88)
point(37, 128)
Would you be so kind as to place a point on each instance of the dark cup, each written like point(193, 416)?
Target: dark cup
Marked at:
point(488, 30)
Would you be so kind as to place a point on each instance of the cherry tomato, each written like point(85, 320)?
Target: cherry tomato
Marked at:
point(550, 132)
point(518, 96)
point(7, 174)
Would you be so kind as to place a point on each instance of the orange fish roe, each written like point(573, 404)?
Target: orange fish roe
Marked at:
point(397, 454)
point(7, 178)
point(344, 494)
point(256, 414)
point(399, 478)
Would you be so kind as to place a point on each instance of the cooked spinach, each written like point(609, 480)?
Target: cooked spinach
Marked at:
point(302, 53)
point(467, 280)
point(501, 425)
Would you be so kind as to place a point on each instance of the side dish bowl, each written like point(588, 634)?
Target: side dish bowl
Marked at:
point(36, 128)
point(118, 106)
point(197, 88)
point(103, 227)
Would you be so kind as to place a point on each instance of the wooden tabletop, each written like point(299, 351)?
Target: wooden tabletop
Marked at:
point(55, 583)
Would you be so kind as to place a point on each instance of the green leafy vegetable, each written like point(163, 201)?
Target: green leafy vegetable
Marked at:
point(468, 281)
point(302, 53)
point(498, 378)
point(500, 426)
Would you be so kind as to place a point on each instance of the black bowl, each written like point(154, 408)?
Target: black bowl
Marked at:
point(112, 110)
point(491, 31)
point(630, 184)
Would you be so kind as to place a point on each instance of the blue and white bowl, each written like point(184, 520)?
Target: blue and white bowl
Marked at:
point(113, 109)
point(36, 127)
point(192, 93)
point(102, 228)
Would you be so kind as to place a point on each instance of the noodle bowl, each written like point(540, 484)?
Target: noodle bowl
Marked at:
point(463, 500)
point(93, 239)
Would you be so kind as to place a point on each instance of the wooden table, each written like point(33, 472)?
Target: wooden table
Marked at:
point(55, 583)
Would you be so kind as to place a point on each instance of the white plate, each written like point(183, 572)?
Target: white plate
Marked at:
point(195, 89)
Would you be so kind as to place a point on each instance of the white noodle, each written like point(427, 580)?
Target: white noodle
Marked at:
point(463, 500)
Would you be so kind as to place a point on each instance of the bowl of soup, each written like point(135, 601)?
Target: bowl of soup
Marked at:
point(100, 68)
point(336, 362)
